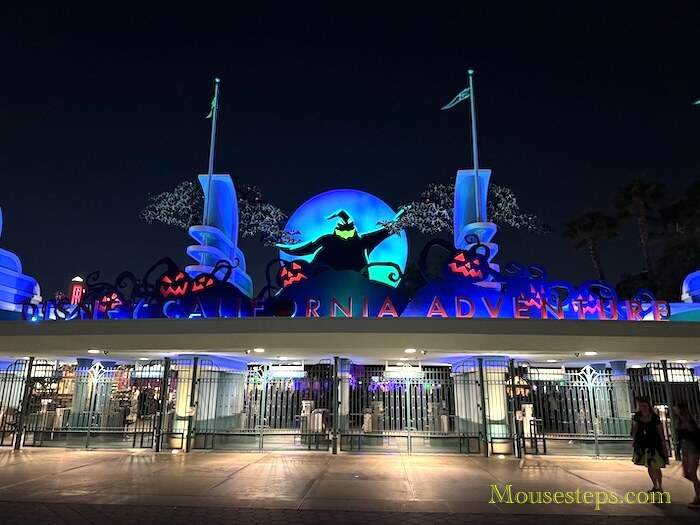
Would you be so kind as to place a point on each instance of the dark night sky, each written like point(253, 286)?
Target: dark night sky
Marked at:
point(102, 106)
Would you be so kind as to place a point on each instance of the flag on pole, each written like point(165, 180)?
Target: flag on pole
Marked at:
point(461, 97)
point(213, 106)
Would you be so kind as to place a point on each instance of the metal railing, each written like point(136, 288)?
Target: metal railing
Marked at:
point(479, 406)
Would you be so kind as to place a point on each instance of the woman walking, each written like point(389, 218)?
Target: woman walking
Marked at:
point(648, 442)
point(689, 439)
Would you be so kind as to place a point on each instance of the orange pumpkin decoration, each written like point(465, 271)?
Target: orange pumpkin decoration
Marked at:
point(110, 302)
point(291, 273)
point(469, 264)
point(174, 286)
point(202, 282)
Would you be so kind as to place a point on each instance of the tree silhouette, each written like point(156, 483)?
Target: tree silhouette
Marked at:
point(431, 213)
point(588, 230)
point(681, 252)
point(183, 206)
point(641, 200)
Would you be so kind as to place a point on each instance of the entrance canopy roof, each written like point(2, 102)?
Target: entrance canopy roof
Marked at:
point(436, 340)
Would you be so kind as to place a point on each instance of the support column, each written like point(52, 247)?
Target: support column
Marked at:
point(467, 398)
point(601, 396)
point(344, 395)
point(230, 392)
point(184, 405)
point(211, 381)
point(622, 404)
point(670, 402)
point(495, 369)
point(81, 390)
point(103, 391)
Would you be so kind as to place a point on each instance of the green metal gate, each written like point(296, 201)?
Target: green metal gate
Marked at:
point(12, 386)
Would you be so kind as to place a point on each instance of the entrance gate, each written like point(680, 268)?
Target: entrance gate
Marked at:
point(589, 412)
point(665, 384)
point(397, 408)
point(12, 386)
point(575, 411)
point(44, 404)
point(269, 407)
point(481, 405)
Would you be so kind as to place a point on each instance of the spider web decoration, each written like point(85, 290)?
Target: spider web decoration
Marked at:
point(503, 209)
point(432, 213)
point(183, 207)
point(256, 216)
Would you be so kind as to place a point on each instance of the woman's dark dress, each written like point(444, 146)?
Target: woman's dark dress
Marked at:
point(648, 448)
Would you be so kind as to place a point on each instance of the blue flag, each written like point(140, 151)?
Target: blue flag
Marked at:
point(462, 96)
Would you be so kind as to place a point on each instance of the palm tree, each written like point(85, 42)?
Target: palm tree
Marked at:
point(641, 200)
point(681, 251)
point(681, 219)
point(587, 230)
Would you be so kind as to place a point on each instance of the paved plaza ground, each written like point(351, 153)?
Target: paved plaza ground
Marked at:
point(43, 486)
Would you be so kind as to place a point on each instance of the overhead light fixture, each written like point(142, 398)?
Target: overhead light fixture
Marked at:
point(143, 358)
point(282, 358)
point(681, 361)
point(636, 366)
point(258, 350)
point(590, 353)
point(551, 360)
point(93, 351)
point(423, 352)
point(403, 358)
point(410, 350)
point(296, 363)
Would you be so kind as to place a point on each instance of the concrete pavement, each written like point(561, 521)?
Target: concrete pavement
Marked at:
point(40, 486)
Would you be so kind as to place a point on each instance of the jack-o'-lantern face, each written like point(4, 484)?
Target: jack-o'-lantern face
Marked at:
point(203, 281)
point(291, 273)
point(110, 302)
point(534, 296)
point(586, 303)
point(471, 265)
point(174, 285)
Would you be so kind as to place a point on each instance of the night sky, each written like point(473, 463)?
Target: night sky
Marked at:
point(102, 106)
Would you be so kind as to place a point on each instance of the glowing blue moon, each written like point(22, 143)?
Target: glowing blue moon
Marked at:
point(366, 210)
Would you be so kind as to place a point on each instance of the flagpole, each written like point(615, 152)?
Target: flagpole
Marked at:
point(475, 148)
point(212, 142)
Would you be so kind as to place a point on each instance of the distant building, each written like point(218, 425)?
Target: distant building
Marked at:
point(77, 289)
